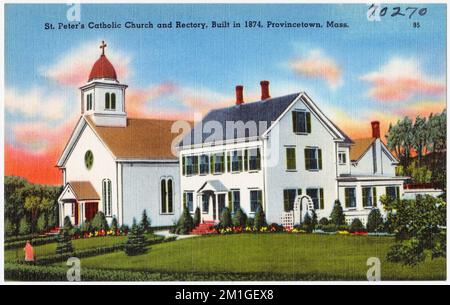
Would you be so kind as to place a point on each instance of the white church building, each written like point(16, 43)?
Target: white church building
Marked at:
point(271, 151)
point(115, 164)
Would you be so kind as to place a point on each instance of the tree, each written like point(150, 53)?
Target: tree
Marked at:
point(375, 221)
point(308, 223)
point(197, 217)
point(419, 225)
point(99, 222)
point(337, 216)
point(137, 242)
point(67, 223)
point(24, 226)
point(64, 245)
point(145, 222)
point(114, 225)
point(185, 223)
point(10, 228)
point(356, 225)
point(260, 218)
point(85, 227)
point(240, 218)
point(225, 218)
point(42, 223)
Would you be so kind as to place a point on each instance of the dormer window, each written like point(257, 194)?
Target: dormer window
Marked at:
point(342, 158)
point(110, 101)
point(301, 121)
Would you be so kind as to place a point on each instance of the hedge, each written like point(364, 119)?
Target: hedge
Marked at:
point(11, 239)
point(35, 242)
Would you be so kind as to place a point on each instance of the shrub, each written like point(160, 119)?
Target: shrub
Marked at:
point(275, 227)
point(145, 222)
point(250, 222)
point(185, 224)
point(307, 224)
point(42, 223)
point(260, 218)
point(356, 225)
point(67, 223)
point(52, 220)
point(114, 225)
point(409, 252)
point(24, 226)
point(240, 218)
point(85, 227)
point(323, 221)
point(225, 218)
point(375, 221)
point(337, 214)
point(10, 228)
point(64, 245)
point(197, 217)
point(99, 222)
point(136, 243)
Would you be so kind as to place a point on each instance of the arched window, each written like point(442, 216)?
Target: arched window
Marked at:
point(113, 101)
point(106, 190)
point(166, 196)
point(107, 101)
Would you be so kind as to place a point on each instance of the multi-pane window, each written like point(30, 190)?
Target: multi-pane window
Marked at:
point(301, 121)
point(236, 161)
point(110, 101)
point(289, 196)
point(254, 162)
point(350, 197)
point(317, 197)
point(255, 200)
point(369, 196)
point(393, 192)
point(89, 104)
point(166, 196)
point(204, 164)
point(189, 165)
point(107, 198)
point(218, 163)
point(290, 158)
point(313, 158)
point(342, 157)
point(234, 200)
point(188, 200)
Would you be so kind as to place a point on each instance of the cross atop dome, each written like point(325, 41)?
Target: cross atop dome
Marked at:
point(103, 46)
point(102, 68)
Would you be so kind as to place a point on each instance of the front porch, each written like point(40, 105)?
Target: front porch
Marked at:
point(211, 200)
point(79, 201)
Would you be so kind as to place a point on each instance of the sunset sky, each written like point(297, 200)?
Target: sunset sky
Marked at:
point(380, 70)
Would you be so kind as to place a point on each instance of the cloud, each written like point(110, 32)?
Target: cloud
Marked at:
point(401, 79)
point(74, 66)
point(317, 65)
point(35, 104)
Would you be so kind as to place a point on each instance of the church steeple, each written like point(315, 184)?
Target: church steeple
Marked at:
point(103, 97)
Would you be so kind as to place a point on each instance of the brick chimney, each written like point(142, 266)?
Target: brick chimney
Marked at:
point(375, 129)
point(264, 90)
point(239, 95)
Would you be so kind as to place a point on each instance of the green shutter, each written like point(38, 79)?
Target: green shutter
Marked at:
point(374, 196)
point(211, 164)
point(246, 160)
point(286, 200)
point(320, 158)
point(307, 163)
point(239, 156)
point(258, 159)
point(364, 194)
point(222, 163)
point(322, 202)
point(299, 192)
point(230, 201)
point(183, 165)
point(347, 198)
point(184, 200)
point(397, 193)
point(308, 122)
point(229, 162)
point(259, 198)
point(294, 121)
point(195, 165)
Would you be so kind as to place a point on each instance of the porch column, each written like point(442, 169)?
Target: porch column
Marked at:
point(61, 214)
point(81, 213)
point(216, 204)
point(359, 200)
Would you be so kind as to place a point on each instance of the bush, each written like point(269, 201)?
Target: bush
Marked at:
point(307, 224)
point(250, 222)
point(197, 217)
point(67, 223)
point(337, 216)
point(375, 221)
point(185, 224)
point(99, 222)
point(24, 226)
point(260, 218)
point(240, 218)
point(10, 228)
point(114, 225)
point(52, 220)
point(86, 227)
point(356, 226)
point(408, 252)
point(275, 227)
point(225, 218)
point(324, 221)
point(42, 223)
point(145, 222)
point(136, 243)
point(36, 241)
point(64, 245)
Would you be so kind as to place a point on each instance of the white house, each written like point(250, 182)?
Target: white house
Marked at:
point(115, 164)
point(273, 150)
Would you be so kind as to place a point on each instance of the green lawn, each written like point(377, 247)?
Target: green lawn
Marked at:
point(323, 256)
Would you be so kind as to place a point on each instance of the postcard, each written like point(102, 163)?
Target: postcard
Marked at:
point(197, 142)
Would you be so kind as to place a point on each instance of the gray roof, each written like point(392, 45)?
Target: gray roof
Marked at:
point(260, 114)
point(213, 185)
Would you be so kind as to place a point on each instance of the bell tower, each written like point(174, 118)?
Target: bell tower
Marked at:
point(103, 97)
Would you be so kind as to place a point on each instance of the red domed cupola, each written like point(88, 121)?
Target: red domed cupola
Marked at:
point(103, 67)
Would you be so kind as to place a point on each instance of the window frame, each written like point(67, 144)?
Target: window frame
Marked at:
point(202, 165)
point(344, 155)
point(259, 199)
point(167, 194)
point(254, 158)
point(317, 157)
point(320, 197)
point(107, 197)
point(347, 197)
point(291, 158)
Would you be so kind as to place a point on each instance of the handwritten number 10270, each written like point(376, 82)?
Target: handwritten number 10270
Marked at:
point(409, 11)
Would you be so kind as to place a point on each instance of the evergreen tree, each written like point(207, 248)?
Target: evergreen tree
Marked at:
point(10, 228)
point(337, 216)
point(114, 225)
point(197, 217)
point(67, 223)
point(375, 221)
point(137, 242)
point(240, 218)
point(314, 220)
point(42, 223)
point(24, 226)
point(85, 227)
point(356, 225)
point(64, 245)
point(225, 218)
point(185, 224)
point(307, 223)
point(145, 222)
point(260, 218)
point(99, 222)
